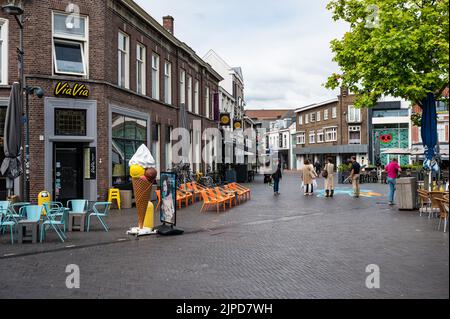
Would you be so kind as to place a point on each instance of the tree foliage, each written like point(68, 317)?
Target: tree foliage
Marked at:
point(394, 47)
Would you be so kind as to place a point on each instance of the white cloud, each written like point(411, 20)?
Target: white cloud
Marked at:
point(282, 46)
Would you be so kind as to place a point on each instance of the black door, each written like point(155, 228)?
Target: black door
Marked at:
point(68, 171)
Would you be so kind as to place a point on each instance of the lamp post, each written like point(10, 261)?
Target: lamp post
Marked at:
point(15, 8)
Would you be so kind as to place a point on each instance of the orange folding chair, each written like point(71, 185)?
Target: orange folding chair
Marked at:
point(158, 195)
point(208, 202)
point(229, 198)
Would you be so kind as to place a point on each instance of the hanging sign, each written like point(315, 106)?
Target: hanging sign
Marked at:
point(237, 124)
point(64, 89)
point(225, 119)
point(90, 163)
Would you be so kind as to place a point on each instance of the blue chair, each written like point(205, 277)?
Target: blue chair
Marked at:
point(31, 213)
point(10, 212)
point(55, 218)
point(78, 206)
point(100, 210)
point(6, 221)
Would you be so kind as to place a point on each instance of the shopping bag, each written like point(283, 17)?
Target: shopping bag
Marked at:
point(303, 185)
point(314, 183)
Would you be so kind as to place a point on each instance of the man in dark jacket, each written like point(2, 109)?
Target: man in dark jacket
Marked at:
point(277, 176)
point(318, 167)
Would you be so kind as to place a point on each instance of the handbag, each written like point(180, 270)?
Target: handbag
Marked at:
point(325, 172)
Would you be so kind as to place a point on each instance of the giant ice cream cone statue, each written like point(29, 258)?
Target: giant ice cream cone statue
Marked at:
point(143, 176)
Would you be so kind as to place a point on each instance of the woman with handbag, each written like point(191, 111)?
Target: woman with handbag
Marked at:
point(308, 175)
point(328, 174)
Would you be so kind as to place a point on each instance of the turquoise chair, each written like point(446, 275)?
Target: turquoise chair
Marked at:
point(10, 213)
point(6, 221)
point(55, 218)
point(31, 213)
point(78, 205)
point(100, 210)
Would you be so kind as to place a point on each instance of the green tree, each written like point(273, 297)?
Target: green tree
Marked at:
point(394, 47)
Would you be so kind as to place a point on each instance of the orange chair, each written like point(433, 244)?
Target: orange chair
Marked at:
point(208, 202)
point(158, 195)
point(241, 194)
point(180, 199)
point(189, 196)
point(213, 195)
point(196, 193)
point(229, 198)
point(247, 191)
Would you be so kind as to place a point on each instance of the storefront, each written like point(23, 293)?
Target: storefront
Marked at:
point(70, 134)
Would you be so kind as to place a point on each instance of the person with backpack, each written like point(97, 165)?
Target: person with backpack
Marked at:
point(328, 174)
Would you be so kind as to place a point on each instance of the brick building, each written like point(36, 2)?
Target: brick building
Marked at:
point(133, 75)
point(333, 129)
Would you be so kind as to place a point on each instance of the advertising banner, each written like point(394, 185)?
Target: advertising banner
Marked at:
point(168, 211)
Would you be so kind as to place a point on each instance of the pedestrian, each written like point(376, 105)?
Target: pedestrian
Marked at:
point(308, 176)
point(392, 170)
point(277, 176)
point(354, 176)
point(328, 174)
point(318, 167)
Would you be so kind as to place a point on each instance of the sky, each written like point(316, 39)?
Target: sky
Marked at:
point(283, 46)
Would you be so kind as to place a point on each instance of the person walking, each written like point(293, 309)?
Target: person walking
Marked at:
point(318, 167)
point(354, 176)
point(328, 174)
point(277, 176)
point(392, 170)
point(308, 176)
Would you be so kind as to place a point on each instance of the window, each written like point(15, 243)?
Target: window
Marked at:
point(70, 45)
point(197, 97)
point(331, 134)
point(183, 87)
point(318, 116)
point(354, 135)
point(155, 76)
point(300, 120)
point(128, 134)
point(168, 83)
point(320, 136)
point(312, 117)
point(312, 137)
point(441, 105)
point(123, 61)
point(390, 113)
point(141, 69)
point(189, 97)
point(4, 55)
point(354, 114)
point(334, 112)
point(306, 119)
point(441, 133)
point(325, 115)
point(285, 141)
point(207, 102)
point(156, 146)
point(70, 122)
point(301, 138)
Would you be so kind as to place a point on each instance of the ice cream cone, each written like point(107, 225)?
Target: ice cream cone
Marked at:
point(142, 191)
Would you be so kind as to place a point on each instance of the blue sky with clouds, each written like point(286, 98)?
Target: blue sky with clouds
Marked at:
point(283, 46)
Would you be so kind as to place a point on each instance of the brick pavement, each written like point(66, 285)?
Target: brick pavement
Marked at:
point(285, 247)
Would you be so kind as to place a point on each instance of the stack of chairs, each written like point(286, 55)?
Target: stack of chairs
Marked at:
point(220, 198)
point(435, 204)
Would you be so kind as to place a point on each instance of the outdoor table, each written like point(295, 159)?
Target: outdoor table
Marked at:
point(23, 226)
point(77, 227)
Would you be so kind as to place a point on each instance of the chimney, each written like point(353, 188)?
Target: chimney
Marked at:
point(344, 91)
point(168, 23)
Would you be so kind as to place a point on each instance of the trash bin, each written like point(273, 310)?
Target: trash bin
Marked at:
point(407, 193)
point(126, 199)
point(43, 197)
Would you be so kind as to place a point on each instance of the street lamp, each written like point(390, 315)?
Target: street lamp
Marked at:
point(15, 9)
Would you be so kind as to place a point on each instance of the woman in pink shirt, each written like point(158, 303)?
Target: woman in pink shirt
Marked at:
point(392, 171)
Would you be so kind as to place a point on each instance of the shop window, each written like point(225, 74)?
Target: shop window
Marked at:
point(128, 134)
point(70, 36)
point(70, 122)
